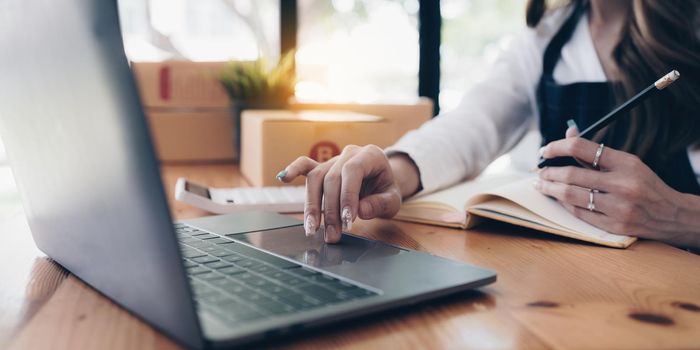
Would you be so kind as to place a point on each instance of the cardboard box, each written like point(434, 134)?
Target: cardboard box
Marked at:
point(402, 116)
point(192, 135)
point(188, 110)
point(180, 84)
point(271, 139)
point(182, 97)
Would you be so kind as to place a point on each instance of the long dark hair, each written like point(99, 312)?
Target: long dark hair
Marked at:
point(658, 36)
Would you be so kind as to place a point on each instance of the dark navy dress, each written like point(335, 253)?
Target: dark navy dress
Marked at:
point(586, 102)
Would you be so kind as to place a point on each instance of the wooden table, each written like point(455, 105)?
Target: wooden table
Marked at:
point(551, 293)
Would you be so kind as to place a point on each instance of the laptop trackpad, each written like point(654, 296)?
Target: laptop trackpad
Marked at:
point(291, 242)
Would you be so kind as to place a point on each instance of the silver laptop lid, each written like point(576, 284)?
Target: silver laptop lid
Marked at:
point(80, 150)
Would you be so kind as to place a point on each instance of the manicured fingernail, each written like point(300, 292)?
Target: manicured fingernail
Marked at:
point(572, 124)
point(536, 184)
point(346, 217)
point(541, 151)
point(330, 232)
point(281, 175)
point(309, 226)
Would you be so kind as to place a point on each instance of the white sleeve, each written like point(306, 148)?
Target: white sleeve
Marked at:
point(492, 117)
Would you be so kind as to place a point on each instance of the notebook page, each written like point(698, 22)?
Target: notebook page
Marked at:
point(456, 196)
point(524, 194)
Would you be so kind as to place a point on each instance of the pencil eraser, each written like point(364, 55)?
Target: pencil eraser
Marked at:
point(667, 79)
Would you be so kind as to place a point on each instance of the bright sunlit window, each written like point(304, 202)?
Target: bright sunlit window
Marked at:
point(348, 50)
point(357, 50)
point(473, 32)
point(200, 30)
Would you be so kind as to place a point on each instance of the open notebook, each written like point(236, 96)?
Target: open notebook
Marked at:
point(510, 199)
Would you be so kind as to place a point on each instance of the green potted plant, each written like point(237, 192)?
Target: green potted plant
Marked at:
point(254, 85)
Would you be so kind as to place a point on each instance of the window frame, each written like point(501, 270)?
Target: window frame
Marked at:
point(429, 28)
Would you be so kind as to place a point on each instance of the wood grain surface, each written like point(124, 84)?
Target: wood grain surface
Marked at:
point(551, 293)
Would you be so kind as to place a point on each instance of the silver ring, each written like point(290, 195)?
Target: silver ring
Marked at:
point(598, 153)
point(591, 203)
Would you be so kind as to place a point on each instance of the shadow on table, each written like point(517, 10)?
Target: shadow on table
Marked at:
point(502, 229)
point(45, 278)
point(471, 301)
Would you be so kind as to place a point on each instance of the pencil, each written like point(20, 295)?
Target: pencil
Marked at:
point(616, 113)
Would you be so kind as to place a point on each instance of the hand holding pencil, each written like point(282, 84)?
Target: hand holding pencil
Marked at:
point(618, 112)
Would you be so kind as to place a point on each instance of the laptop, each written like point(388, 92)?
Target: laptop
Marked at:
point(79, 147)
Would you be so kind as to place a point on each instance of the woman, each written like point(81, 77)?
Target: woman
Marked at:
point(577, 62)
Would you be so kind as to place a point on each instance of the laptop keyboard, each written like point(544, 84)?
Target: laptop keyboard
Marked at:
point(241, 284)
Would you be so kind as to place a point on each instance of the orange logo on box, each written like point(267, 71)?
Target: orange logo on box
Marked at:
point(323, 151)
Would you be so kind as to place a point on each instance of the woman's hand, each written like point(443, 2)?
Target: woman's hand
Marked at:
point(632, 200)
point(359, 182)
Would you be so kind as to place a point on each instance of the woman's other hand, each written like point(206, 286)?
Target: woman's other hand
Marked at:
point(360, 182)
point(632, 199)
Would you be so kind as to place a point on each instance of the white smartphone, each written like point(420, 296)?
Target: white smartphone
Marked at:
point(282, 199)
